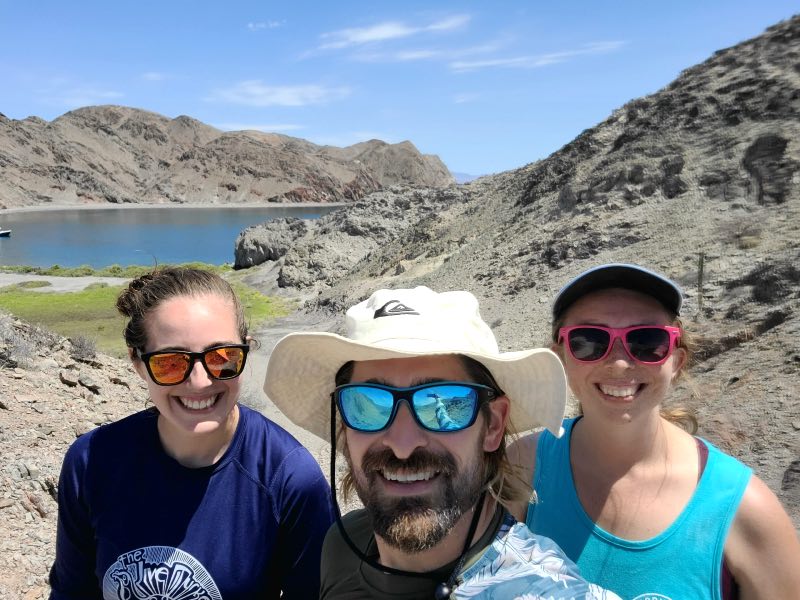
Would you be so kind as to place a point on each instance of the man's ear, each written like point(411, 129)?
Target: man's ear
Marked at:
point(499, 411)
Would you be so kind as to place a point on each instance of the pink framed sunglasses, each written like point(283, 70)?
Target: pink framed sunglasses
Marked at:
point(648, 344)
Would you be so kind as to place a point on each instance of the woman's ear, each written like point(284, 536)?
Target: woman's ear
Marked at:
point(499, 411)
point(138, 364)
point(679, 359)
point(252, 342)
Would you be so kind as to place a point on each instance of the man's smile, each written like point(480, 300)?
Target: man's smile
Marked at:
point(404, 476)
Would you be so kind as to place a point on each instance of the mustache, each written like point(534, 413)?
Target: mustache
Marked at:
point(419, 460)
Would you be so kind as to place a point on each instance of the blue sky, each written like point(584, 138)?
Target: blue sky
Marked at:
point(487, 86)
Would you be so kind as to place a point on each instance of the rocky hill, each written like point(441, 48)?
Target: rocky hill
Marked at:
point(699, 181)
point(113, 154)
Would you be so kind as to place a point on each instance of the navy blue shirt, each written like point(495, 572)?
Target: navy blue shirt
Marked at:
point(134, 523)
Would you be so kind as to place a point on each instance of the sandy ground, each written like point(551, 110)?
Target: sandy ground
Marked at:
point(57, 284)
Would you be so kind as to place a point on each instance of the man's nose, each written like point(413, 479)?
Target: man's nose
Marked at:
point(404, 434)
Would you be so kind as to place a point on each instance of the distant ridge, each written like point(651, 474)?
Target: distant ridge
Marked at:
point(119, 155)
point(465, 177)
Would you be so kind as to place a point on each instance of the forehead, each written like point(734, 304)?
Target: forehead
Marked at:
point(617, 307)
point(192, 322)
point(406, 372)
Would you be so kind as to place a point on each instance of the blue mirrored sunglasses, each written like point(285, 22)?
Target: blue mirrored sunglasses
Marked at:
point(438, 407)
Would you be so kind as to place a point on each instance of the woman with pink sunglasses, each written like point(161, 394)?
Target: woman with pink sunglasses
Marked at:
point(643, 507)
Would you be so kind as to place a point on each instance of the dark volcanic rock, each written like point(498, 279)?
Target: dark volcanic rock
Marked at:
point(316, 254)
point(268, 241)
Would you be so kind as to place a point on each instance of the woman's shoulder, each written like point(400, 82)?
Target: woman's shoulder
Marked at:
point(523, 450)
point(111, 441)
point(263, 429)
point(762, 548)
point(117, 432)
point(519, 451)
point(269, 452)
point(723, 460)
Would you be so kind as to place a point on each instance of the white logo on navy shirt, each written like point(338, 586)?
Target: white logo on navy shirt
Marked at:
point(159, 572)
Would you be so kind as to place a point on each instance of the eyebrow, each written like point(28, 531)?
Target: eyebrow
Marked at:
point(379, 381)
point(604, 324)
point(184, 349)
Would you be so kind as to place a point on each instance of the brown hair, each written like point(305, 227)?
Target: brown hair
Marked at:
point(680, 415)
point(503, 480)
point(146, 293)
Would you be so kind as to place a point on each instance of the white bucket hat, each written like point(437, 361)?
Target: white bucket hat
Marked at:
point(405, 323)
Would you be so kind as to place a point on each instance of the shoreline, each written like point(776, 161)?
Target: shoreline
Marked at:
point(138, 206)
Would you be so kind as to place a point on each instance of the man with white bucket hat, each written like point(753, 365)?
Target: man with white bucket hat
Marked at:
point(425, 398)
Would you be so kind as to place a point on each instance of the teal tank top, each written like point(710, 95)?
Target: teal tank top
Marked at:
point(683, 561)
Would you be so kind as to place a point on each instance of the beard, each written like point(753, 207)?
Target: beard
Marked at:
point(413, 524)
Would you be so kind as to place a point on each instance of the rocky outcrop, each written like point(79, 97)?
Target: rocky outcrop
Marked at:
point(312, 255)
point(52, 390)
point(118, 155)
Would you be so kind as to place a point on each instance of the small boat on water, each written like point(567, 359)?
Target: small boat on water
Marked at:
point(5, 233)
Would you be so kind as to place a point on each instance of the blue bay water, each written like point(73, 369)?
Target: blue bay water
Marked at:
point(134, 236)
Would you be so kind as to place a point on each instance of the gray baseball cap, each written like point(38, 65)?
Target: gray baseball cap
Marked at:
point(619, 275)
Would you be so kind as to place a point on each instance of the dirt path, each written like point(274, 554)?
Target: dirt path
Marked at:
point(252, 389)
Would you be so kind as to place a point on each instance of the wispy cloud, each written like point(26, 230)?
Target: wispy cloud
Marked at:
point(401, 56)
point(538, 60)
point(256, 93)
point(154, 76)
point(420, 54)
point(260, 25)
point(388, 30)
point(268, 128)
point(409, 55)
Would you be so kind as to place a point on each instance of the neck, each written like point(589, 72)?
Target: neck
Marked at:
point(621, 445)
point(446, 551)
point(196, 450)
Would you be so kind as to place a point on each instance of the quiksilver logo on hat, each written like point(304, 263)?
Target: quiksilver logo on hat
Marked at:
point(392, 308)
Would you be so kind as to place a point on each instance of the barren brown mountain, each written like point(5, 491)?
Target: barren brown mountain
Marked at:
point(113, 154)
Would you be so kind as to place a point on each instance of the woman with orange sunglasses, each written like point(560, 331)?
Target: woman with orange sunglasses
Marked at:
point(199, 496)
point(643, 507)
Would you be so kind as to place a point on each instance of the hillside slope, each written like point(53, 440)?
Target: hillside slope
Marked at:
point(700, 175)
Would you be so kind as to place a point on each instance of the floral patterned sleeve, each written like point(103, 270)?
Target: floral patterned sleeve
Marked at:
point(525, 566)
